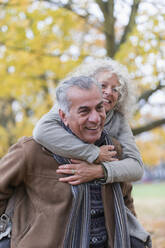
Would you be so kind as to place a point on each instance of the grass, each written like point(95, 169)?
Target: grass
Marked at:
point(148, 190)
point(149, 200)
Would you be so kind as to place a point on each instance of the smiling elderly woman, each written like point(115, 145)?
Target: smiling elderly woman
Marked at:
point(117, 98)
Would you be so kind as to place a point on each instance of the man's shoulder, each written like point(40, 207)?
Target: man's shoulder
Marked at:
point(25, 139)
point(28, 143)
point(32, 148)
point(118, 116)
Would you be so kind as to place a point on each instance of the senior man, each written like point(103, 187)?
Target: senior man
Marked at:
point(49, 213)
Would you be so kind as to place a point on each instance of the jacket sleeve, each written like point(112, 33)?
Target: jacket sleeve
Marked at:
point(49, 133)
point(127, 141)
point(130, 167)
point(12, 171)
point(126, 170)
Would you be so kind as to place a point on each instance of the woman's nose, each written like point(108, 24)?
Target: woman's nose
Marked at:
point(108, 91)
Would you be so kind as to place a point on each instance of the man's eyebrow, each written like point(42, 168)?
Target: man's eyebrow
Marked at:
point(82, 108)
point(86, 107)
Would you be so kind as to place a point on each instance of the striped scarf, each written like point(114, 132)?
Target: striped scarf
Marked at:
point(78, 228)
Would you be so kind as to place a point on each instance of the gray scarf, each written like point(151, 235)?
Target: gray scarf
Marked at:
point(78, 228)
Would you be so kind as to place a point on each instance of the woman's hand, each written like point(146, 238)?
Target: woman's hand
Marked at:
point(80, 172)
point(107, 153)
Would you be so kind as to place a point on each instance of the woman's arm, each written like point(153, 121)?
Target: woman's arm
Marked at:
point(130, 167)
point(49, 133)
point(126, 170)
point(120, 129)
point(116, 171)
point(52, 135)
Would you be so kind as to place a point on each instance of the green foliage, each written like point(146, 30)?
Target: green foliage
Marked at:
point(143, 56)
point(35, 54)
point(40, 42)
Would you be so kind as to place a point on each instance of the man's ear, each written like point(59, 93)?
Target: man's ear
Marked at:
point(63, 117)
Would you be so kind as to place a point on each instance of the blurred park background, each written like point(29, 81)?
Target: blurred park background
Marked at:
point(41, 41)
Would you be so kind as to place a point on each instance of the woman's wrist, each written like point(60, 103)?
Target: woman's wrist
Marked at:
point(102, 174)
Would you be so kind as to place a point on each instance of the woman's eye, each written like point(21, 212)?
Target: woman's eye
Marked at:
point(115, 89)
point(103, 86)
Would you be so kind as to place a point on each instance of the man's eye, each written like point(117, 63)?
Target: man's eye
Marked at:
point(84, 111)
point(100, 107)
point(103, 86)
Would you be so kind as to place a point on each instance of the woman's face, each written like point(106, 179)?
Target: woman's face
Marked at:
point(109, 84)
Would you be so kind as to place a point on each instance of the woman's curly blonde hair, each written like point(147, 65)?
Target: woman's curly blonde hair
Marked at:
point(126, 89)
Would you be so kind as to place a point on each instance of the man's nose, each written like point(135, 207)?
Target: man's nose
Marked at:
point(94, 117)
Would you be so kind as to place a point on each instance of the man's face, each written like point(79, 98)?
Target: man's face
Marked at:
point(109, 89)
point(87, 115)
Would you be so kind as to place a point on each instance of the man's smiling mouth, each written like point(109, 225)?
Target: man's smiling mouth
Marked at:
point(93, 128)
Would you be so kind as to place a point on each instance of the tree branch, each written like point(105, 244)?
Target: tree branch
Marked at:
point(145, 95)
point(29, 50)
point(148, 127)
point(58, 3)
point(67, 6)
point(102, 5)
point(107, 9)
point(131, 23)
point(148, 93)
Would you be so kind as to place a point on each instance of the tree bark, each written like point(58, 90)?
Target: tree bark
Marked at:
point(148, 126)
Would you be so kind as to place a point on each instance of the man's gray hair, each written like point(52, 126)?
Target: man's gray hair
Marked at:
point(82, 82)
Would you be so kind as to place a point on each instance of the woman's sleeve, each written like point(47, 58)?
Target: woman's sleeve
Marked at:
point(49, 133)
point(127, 141)
point(126, 170)
point(130, 167)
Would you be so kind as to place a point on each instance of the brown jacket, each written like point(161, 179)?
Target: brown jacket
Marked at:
point(43, 203)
